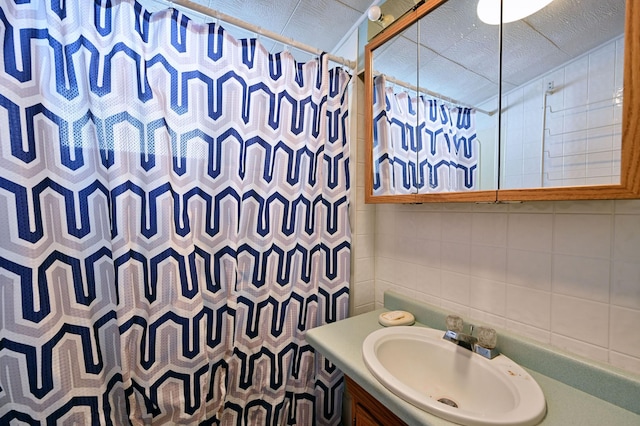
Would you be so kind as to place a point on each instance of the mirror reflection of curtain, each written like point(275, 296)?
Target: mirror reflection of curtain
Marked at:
point(394, 144)
point(465, 149)
point(421, 145)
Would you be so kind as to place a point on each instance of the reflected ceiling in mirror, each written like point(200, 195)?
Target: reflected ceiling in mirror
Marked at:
point(458, 41)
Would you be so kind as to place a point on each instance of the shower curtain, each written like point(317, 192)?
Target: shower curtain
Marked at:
point(421, 145)
point(173, 217)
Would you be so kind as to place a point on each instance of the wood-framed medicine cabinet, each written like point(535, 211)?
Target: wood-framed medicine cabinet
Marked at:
point(579, 138)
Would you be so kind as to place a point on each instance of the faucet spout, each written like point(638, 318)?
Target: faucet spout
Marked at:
point(484, 345)
point(465, 340)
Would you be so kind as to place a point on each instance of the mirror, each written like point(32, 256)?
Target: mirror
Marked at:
point(528, 110)
point(562, 95)
point(396, 116)
point(458, 78)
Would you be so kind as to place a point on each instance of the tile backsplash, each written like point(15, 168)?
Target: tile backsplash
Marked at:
point(565, 273)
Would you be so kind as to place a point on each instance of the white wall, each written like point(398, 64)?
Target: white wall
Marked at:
point(564, 273)
point(362, 290)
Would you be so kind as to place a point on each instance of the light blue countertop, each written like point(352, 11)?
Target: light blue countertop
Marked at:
point(577, 392)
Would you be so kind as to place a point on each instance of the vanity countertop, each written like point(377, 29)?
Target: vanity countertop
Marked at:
point(341, 343)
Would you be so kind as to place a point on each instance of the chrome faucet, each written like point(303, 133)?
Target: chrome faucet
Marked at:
point(484, 345)
point(461, 339)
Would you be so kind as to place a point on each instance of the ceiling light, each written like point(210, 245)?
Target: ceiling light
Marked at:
point(514, 10)
point(375, 15)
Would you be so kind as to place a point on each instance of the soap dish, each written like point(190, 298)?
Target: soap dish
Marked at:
point(393, 318)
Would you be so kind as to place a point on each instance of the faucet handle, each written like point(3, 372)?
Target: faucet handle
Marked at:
point(454, 323)
point(487, 337)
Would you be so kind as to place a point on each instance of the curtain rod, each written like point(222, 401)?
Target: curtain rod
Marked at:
point(258, 30)
point(435, 94)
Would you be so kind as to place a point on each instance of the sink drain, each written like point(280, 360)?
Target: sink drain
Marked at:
point(448, 402)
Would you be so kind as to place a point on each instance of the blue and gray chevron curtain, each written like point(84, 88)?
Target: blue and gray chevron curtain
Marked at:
point(173, 217)
point(421, 145)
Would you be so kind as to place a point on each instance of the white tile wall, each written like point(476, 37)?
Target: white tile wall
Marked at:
point(582, 129)
point(564, 273)
point(363, 266)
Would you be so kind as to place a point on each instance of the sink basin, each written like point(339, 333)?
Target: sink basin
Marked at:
point(452, 382)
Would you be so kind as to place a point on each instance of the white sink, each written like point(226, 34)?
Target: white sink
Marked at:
point(417, 365)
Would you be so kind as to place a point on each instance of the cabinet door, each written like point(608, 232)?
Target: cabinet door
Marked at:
point(362, 417)
point(368, 411)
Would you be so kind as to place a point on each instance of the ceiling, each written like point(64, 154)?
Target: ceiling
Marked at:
point(459, 57)
point(452, 40)
point(322, 24)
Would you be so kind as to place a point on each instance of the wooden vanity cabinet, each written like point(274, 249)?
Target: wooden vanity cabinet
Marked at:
point(368, 411)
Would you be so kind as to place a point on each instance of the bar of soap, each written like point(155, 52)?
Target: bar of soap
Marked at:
point(393, 318)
